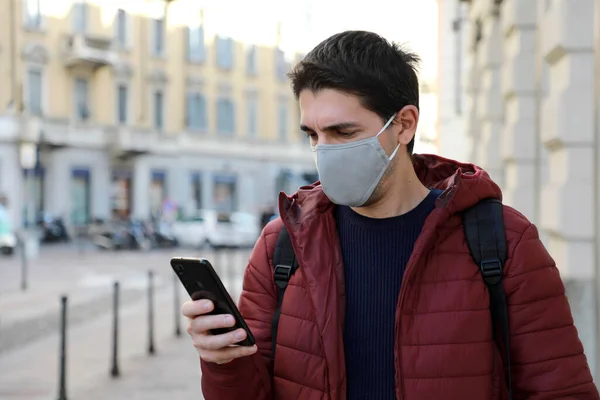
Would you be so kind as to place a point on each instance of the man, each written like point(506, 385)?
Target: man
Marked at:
point(387, 302)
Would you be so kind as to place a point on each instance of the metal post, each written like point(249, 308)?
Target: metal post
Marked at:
point(151, 347)
point(23, 250)
point(223, 261)
point(81, 239)
point(596, 183)
point(177, 306)
point(62, 377)
point(114, 371)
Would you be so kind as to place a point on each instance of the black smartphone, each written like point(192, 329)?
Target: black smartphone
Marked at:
point(202, 282)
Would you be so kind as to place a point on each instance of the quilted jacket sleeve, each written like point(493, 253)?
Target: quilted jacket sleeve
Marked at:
point(249, 377)
point(547, 356)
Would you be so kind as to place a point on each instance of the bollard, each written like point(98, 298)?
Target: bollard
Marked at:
point(177, 305)
point(114, 370)
point(21, 241)
point(80, 240)
point(222, 260)
point(62, 367)
point(151, 347)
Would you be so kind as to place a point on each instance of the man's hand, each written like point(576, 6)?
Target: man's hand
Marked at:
point(218, 349)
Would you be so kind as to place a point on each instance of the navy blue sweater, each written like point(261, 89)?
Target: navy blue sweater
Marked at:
point(375, 253)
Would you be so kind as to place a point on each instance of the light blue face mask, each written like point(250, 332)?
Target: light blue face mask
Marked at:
point(350, 172)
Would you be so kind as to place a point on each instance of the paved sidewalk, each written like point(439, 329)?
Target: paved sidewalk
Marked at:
point(87, 279)
point(31, 372)
point(173, 374)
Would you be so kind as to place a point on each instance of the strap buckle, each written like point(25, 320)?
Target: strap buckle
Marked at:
point(282, 275)
point(491, 271)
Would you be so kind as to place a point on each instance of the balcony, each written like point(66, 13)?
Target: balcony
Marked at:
point(51, 132)
point(128, 142)
point(88, 51)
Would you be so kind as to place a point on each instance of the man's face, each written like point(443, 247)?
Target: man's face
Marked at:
point(333, 117)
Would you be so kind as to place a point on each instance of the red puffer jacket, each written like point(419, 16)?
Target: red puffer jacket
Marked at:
point(444, 346)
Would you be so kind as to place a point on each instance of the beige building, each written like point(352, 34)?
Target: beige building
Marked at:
point(532, 120)
point(133, 103)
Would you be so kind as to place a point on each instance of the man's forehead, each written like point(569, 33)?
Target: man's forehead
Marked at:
point(328, 107)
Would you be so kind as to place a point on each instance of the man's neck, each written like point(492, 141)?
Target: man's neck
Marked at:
point(403, 193)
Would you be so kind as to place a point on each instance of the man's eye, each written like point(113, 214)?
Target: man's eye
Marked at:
point(311, 135)
point(345, 133)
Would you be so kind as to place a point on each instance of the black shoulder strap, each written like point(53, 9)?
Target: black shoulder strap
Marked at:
point(285, 264)
point(484, 231)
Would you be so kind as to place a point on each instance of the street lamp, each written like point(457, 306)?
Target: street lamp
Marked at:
point(28, 159)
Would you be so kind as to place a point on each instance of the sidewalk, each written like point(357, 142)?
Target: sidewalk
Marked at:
point(88, 281)
point(173, 373)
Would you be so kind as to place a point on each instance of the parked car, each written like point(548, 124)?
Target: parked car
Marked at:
point(8, 243)
point(209, 228)
point(8, 239)
point(246, 227)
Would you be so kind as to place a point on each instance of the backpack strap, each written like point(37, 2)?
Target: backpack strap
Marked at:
point(484, 232)
point(284, 260)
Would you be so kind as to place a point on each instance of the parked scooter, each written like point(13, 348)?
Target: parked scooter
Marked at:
point(162, 235)
point(53, 229)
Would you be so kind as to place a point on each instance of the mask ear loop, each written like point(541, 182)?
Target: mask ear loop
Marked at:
point(389, 121)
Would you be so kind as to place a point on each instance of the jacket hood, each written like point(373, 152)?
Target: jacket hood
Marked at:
point(464, 185)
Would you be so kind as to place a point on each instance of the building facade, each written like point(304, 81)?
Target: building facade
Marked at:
point(452, 99)
point(532, 118)
point(126, 106)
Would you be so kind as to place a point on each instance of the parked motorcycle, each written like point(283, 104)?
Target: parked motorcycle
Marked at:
point(162, 236)
point(120, 235)
point(53, 229)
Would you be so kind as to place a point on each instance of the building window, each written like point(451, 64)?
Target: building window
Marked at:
point(196, 195)
point(225, 116)
point(282, 116)
point(195, 40)
point(252, 115)
point(158, 193)
point(32, 14)
point(79, 16)
point(224, 193)
point(158, 37)
point(122, 103)
point(82, 105)
point(196, 112)
point(34, 92)
point(121, 28)
point(251, 61)
point(158, 110)
point(121, 193)
point(224, 48)
point(80, 196)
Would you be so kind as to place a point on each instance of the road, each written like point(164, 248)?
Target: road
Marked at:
point(29, 325)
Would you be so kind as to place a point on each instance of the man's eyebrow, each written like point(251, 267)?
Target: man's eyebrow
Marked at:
point(333, 127)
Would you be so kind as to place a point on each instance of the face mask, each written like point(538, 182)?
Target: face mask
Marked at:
point(350, 172)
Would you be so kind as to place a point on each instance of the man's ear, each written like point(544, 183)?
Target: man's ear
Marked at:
point(408, 118)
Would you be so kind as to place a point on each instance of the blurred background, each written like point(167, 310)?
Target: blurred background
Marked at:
point(136, 130)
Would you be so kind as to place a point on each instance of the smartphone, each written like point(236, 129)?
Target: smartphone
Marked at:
point(202, 282)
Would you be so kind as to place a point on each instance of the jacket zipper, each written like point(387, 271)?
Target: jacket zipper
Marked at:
point(410, 267)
